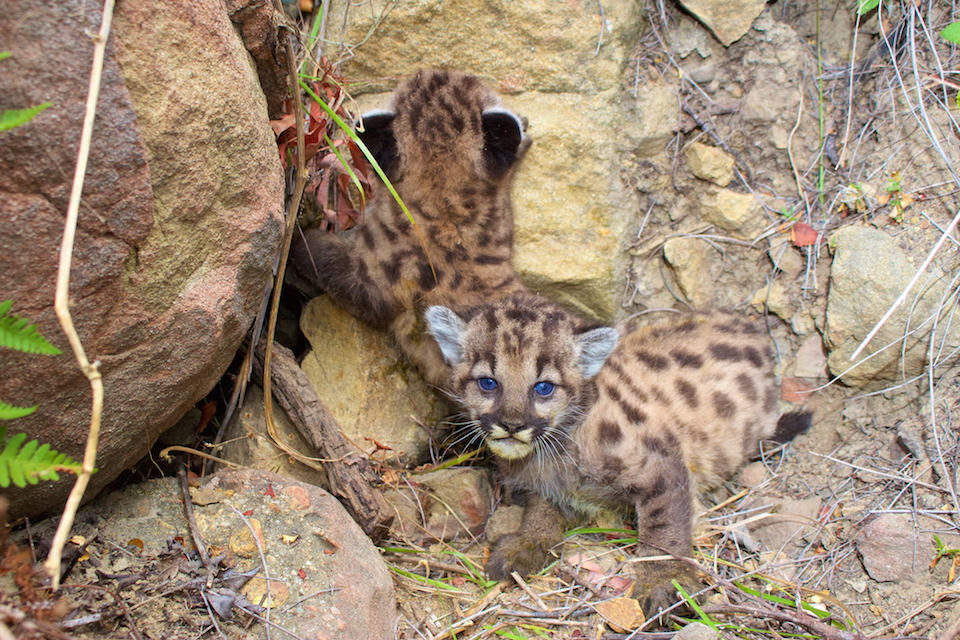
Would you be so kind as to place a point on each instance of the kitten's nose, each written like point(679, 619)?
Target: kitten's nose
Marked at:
point(511, 427)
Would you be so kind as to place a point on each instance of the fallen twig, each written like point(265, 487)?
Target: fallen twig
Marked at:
point(62, 305)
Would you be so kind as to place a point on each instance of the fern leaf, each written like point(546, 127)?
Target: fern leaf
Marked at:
point(10, 412)
point(17, 333)
point(31, 462)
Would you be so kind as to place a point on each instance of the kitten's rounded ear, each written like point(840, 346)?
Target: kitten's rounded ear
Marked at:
point(447, 329)
point(503, 139)
point(595, 346)
point(377, 135)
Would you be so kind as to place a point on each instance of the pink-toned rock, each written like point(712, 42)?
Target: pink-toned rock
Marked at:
point(179, 224)
point(891, 549)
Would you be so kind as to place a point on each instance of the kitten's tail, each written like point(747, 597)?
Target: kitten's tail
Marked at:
point(792, 424)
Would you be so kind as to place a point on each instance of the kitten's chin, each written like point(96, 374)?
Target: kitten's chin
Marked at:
point(510, 448)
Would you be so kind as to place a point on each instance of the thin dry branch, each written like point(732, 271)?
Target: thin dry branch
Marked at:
point(62, 305)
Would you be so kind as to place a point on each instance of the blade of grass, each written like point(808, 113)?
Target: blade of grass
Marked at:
point(349, 132)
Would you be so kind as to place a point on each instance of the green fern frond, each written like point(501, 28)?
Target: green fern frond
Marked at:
point(31, 462)
point(17, 333)
point(10, 412)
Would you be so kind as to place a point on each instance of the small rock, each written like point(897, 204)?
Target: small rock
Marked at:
point(888, 547)
point(810, 361)
point(709, 163)
point(623, 614)
point(803, 323)
point(784, 529)
point(753, 475)
point(689, 37)
point(764, 105)
point(696, 631)
point(242, 541)
point(738, 213)
point(449, 499)
point(868, 273)
point(248, 444)
point(773, 298)
point(729, 20)
point(691, 261)
point(785, 257)
point(656, 114)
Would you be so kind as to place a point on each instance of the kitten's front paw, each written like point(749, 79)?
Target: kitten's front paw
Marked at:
point(514, 552)
point(654, 587)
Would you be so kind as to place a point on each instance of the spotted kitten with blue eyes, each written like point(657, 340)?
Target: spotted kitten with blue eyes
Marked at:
point(582, 420)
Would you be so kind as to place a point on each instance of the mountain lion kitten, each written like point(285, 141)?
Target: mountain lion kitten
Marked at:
point(450, 149)
point(583, 419)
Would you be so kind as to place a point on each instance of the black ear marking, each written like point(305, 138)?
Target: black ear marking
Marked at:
point(502, 136)
point(378, 136)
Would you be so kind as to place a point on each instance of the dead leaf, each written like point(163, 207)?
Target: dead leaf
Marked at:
point(802, 234)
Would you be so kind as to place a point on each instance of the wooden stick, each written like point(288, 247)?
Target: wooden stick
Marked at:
point(350, 476)
point(62, 305)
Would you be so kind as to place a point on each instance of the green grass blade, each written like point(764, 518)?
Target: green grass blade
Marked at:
point(346, 167)
point(349, 132)
point(422, 579)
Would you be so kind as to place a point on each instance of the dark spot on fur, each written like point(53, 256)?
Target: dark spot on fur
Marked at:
point(652, 360)
point(753, 355)
point(688, 392)
point(485, 258)
point(723, 404)
point(724, 351)
point(610, 467)
point(391, 269)
point(747, 388)
point(366, 236)
point(425, 279)
point(770, 399)
point(633, 414)
point(659, 396)
point(609, 433)
point(687, 359)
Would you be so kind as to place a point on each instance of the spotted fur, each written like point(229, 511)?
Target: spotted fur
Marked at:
point(630, 424)
point(450, 149)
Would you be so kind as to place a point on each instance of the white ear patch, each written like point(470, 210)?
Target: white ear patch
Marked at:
point(595, 346)
point(447, 329)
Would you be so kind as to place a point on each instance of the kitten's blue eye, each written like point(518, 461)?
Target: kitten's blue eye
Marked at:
point(487, 384)
point(544, 389)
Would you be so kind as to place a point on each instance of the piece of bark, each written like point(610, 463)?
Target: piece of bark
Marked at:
point(350, 476)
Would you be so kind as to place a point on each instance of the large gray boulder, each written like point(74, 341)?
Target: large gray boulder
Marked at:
point(180, 220)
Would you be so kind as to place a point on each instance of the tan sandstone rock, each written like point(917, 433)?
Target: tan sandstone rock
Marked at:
point(709, 163)
point(559, 65)
point(738, 213)
point(366, 383)
point(691, 260)
point(729, 20)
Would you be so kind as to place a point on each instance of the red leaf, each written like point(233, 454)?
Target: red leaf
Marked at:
point(302, 573)
point(248, 512)
point(269, 492)
point(803, 234)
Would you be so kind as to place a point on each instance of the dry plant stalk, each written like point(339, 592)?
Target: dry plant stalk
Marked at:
point(292, 211)
point(62, 307)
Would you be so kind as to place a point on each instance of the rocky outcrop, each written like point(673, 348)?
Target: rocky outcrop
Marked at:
point(559, 64)
point(365, 382)
point(179, 224)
